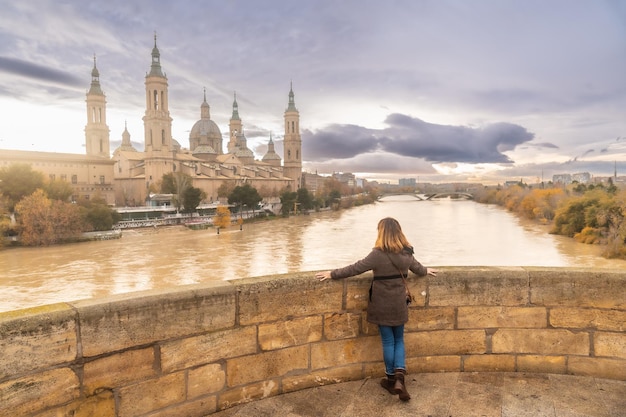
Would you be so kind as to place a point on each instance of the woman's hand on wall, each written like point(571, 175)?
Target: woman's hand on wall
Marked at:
point(323, 276)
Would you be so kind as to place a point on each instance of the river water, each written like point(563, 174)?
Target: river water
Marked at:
point(443, 232)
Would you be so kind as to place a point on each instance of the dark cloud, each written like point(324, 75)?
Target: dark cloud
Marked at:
point(412, 137)
point(39, 72)
point(338, 141)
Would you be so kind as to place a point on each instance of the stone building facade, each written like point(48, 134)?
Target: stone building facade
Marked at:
point(127, 176)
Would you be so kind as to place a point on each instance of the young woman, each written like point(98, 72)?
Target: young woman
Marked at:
point(390, 260)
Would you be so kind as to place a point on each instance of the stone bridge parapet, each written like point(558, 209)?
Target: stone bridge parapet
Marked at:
point(194, 350)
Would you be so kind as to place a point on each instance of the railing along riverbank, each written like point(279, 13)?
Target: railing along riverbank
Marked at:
point(193, 350)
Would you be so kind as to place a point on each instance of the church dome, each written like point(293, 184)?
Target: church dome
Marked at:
point(205, 131)
point(244, 153)
point(204, 150)
point(205, 128)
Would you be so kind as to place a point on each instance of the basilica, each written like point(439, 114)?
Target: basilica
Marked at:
point(127, 176)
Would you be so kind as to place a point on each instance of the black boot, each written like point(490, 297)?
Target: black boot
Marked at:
point(388, 383)
point(399, 387)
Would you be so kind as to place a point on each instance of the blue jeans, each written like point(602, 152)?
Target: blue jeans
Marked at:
point(393, 347)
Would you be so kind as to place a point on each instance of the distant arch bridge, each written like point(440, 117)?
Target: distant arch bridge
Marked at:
point(454, 195)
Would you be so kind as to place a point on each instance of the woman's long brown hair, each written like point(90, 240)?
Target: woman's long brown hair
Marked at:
point(390, 237)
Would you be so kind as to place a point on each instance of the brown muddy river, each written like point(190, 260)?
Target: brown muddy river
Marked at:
point(444, 233)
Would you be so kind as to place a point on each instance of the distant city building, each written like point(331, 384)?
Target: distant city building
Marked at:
point(407, 182)
point(582, 177)
point(313, 182)
point(345, 178)
point(563, 179)
point(127, 177)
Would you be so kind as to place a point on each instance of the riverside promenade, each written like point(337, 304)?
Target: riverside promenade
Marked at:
point(452, 394)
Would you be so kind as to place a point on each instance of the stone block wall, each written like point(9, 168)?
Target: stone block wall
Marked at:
point(193, 350)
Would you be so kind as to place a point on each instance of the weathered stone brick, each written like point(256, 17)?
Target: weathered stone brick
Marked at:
point(266, 365)
point(152, 395)
point(432, 318)
point(36, 338)
point(588, 318)
point(479, 286)
point(576, 287)
point(248, 393)
point(541, 364)
point(270, 298)
point(341, 326)
point(297, 331)
point(207, 348)
point(322, 377)
point(131, 320)
point(345, 352)
point(373, 369)
point(445, 342)
point(205, 380)
point(537, 341)
point(26, 395)
point(446, 363)
point(489, 363)
point(119, 369)
point(597, 367)
point(100, 405)
point(492, 317)
point(611, 345)
point(200, 407)
point(368, 329)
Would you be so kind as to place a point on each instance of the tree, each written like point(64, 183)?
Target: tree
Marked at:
point(287, 200)
point(222, 217)
point(97, 215)
point(225, 189)
point(59, 190)
point(245, 195)
point(192, 197)
point(44, 222)
point(176, 183)
point(18, 181)
point(305, 199)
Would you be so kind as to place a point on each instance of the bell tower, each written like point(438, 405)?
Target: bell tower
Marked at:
point(292, 160)
point(96, 130)
point(234, 126)
point(157, 122)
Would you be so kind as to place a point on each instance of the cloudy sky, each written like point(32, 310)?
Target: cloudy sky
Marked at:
point(438, 90)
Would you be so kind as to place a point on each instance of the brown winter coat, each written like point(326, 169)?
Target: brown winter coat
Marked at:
point(387, 304)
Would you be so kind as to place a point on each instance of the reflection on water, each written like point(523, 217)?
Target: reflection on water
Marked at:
point(444, 233)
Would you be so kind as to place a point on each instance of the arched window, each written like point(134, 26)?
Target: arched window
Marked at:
point(156, 100)
point(163, 136)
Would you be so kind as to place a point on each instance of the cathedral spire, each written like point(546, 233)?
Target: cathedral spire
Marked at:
point(155, 68)
point(95, 79)
point(235, 115)
point(292, 103)
point(205, 109)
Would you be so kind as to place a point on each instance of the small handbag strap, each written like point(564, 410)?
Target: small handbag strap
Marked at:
point(406, 286)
